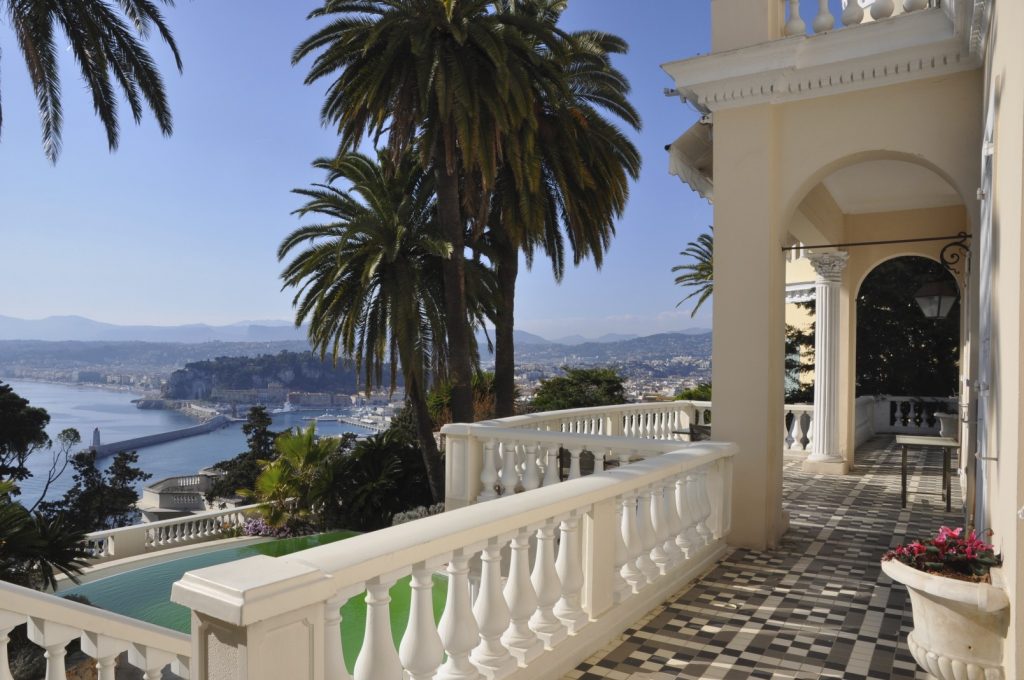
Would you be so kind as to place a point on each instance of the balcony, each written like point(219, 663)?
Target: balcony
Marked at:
point(573, 527)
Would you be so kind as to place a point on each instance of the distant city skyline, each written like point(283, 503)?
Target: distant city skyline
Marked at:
point(184, 229)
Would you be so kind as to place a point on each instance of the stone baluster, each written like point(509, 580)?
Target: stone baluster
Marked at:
point(378, 658)
point(488, 472)
point(458, 629)
point(551, 466)
point(599, 461)
point(509, 479)
point(421, 651)
point(633, 543)
point(659, 526)
point(151, 661)
point(100, 647)
point(569, 567)
point(647, 538)
point(673, 524)
point(574, 462)
point(824, 21)
point(853, 14)
point(693, 486)
point(531, 472)
point(795, 25)
point(623, 459)
point(545, 624)
point(334, 653)
point(53, 638)
point(688, 537)
point(492, 616)
point(520, 639)
point(622, 586)
point(914, 5)
point(882, 9)
point(704, 502)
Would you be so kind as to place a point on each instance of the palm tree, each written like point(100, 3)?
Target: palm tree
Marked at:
point(582, 166)
point(699, 273)
point(33, 547)
point(369, 278)
point(104, 37)
point(453, 78)
point(298, 483)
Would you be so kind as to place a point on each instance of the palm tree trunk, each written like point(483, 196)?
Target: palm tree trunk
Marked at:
point(449, 213)
point(504, 325)
point(412, 374)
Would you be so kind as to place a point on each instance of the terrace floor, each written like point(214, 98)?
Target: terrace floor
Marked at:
point(816, 607)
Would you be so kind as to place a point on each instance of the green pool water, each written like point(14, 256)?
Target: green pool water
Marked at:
point(145, 593)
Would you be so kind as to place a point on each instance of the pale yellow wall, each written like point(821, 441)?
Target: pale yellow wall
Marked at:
point(741, 23)
point(799, 271)
point(747, 345)
point(1005, 80)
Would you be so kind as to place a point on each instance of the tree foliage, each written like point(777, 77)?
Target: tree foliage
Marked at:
point(899, 351)
point(241, 471)
point(23, 432)
point(698, 273)
point(100, 499)
point(34, 547)
point(580, 388)
point(699, 392)
point(104, 38)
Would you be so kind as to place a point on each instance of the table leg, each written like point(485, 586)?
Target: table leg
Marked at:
point(903, 473)
point(947, 477)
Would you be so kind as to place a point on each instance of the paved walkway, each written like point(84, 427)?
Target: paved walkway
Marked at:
point(818, 606)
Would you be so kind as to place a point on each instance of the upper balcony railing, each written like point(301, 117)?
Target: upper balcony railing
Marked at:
point(855, 12)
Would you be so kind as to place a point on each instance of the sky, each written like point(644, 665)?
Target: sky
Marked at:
point(185, 229)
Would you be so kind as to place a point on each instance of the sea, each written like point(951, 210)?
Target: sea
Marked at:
point(112, 411)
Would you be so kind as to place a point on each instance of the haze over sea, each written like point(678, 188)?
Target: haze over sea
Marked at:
point(85, 408)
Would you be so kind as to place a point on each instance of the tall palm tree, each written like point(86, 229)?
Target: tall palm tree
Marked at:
point(582, 166)
point(369, 278)
point(699, 272)
point(454, 78)
point(104, 37)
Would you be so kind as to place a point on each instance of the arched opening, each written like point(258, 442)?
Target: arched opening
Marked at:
point(908, 362)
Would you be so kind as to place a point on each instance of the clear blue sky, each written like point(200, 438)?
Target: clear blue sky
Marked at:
point(184, 229)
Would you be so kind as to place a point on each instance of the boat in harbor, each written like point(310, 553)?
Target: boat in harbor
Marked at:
point(287, 408)
point(326, 416)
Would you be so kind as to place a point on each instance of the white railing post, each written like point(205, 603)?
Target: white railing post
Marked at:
point(458, 629)
point(853, 14)
point(646, 532)
point(334, 652)
point(569, 567)
point(492, 616)
point(489, 472)
point(53, 637)
point(545, 624)
point(632, 572)
point(795, 25)
point(509, 478)
point(622, 588)
point(520, 639)
point(602, 558)
point(824, 21)
point(531, 472)
point(104, 650)
point(421, 651)
point(574, 462)
point(659, 525)
point(378, 658)
point(551, 475)
point(7, 624)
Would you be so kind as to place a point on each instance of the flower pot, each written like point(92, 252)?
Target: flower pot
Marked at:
point(948, 425)
point(959, 627)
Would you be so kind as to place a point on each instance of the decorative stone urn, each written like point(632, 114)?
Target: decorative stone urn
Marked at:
point(959, 627)
point(948, 425)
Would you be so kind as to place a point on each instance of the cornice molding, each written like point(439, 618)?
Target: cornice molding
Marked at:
point(908, 47)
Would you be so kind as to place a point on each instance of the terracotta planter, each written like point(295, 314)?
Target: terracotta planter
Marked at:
point(959, 627)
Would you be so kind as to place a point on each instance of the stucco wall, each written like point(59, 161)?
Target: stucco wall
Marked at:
point(1005, 92)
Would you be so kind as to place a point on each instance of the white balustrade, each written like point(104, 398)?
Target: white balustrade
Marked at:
point(853, 14)
point(139, 539)
point(591, 582)
point(53, 622)
point(797, 427)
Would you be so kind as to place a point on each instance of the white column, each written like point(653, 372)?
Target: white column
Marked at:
point(825, 426)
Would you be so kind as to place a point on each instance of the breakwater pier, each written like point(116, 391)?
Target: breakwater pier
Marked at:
point(215, 423)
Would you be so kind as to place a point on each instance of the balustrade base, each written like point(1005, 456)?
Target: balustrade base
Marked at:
point(552, 639)
point(525, 656)
point(826, 466)
point(497, 672)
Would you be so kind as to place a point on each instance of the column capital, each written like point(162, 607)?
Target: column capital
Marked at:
point(829, 266)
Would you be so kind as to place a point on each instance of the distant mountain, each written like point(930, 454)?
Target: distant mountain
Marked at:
point(661, 346)
point(521, 338)
point(695, 331)
point(608, 337)
point(64, 328)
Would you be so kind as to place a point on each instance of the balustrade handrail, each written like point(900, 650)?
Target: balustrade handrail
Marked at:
point(595, 443)
point(531, 419)
point(32, 603)
point(361, 558)
point(146, 526)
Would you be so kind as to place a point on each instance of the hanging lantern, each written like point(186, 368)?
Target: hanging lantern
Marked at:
point(936, 299)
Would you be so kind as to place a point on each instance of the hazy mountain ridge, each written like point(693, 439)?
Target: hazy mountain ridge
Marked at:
point(79, 328)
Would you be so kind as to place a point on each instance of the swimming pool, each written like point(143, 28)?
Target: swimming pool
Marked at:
point(145, 593)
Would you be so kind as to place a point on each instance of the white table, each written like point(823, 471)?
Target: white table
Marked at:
point(947, 444)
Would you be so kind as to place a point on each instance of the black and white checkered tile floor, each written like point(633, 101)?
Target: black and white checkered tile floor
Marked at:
point(816, 607)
